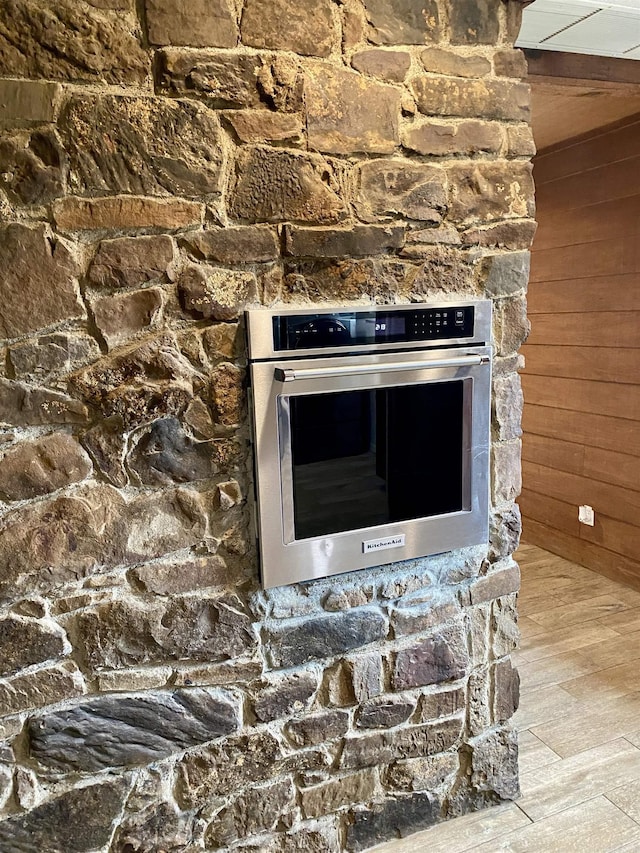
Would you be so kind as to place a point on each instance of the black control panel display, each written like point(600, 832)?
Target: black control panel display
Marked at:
point(353, 328)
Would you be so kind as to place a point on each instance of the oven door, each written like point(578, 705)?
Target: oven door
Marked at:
point(369, 459)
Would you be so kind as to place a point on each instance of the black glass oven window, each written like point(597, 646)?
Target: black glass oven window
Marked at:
point(365, 458)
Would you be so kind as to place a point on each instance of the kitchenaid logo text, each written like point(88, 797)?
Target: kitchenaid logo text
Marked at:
point(383, 544)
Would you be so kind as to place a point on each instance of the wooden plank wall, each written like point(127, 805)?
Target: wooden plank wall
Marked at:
point(581, 422)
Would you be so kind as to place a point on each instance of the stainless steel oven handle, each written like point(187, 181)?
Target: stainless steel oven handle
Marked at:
point(286, 374)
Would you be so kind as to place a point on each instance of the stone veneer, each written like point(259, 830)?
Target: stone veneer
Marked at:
point(163, 165)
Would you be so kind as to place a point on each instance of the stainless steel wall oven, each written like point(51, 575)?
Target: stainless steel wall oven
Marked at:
point(371, 430)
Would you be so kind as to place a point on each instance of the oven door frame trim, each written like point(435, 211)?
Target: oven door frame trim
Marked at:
point(285, 562)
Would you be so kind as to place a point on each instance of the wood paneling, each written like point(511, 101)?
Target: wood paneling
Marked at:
point(607, 466)
point(612, 500)
point(621, 538)
point(598, 431)
point(597, 222)
point(595, 430)
point(576, 295)
point(553, 452)
point(583, 395)
point(585, 155)
point(610, 181)
point(550, 512)
point(581, 422)
point(617, 256)
point(586, 329)
point(602, 364)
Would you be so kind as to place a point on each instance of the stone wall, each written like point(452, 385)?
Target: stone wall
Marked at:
point(163, 165)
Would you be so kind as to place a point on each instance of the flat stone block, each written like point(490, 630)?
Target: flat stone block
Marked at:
point(261, 126)
point(27, 101)
point(474, 21)
point(40, 284)
point(40, 688)
point(455, 96)
point(195, 23)
point(275, 186)
point(146, 146)
point(131, 261)
point(485, 191)
point(90, 214)
point(347, 113)
point(28, 405)
point(438, 60)
point(59, 41)
point(35, 468)
point(24, 642)
point(235, 245)
point(122, 316)
point(324, 637)
point(438, 658)
point(77, 821)
point(442, 139)
point(220, 768)
point(389, 188)
point(359, 240)
point(306, 27)
point(226, 80)
point(403, 21)
point(389, 65)
point(393, 818)
point(124, 731)
point(496, 584)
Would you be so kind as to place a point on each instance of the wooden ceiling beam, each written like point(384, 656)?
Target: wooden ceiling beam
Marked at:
point(579, 69)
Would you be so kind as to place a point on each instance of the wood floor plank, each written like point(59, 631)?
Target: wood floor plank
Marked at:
point(612, 682)
point(532, 753)
point(580, 777)
point(462, 833)
point(600, 585)
point(532, 585)
point(627, 798)
point(529, 628)
point(564, 640)
point(625, 622)
point(604, 721)
point(613, 652)
point(583, 611)
point(632, 847)
point(539, 603)
point(597, 826)
point(556, 566)
point(625, 593)
point(538, 674)
point(634, 738)
point(545, 705)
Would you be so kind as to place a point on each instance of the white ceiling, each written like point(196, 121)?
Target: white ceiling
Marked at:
point(597, 27)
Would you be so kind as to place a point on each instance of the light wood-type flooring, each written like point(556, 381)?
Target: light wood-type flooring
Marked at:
point(578, 723)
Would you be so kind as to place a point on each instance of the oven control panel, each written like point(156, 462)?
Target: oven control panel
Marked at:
point(358, 327)
point(434, 323)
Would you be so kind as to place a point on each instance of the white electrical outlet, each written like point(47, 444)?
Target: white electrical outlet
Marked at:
point(586, 515)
